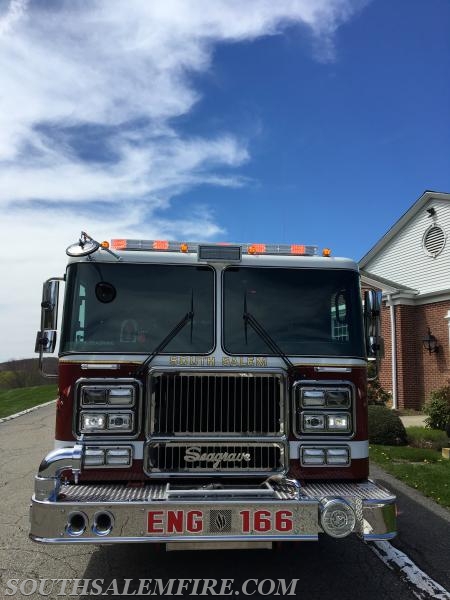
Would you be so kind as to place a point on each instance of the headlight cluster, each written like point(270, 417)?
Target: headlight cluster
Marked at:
point(109, 456)
point(325, 397)
point(94, 422)
point(325, 456)
point(323, 410)
point(339, 423)
point(107, 408)
point(96, 395)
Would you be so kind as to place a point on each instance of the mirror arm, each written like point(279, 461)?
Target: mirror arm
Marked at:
point(41, 363)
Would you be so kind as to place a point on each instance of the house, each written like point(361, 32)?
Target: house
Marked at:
point(410, 264)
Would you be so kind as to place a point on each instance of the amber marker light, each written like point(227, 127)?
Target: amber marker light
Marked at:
point(326, 252)
point(119, 244)
point(256, 249)
point(297, 249)
point(160, 245)
point(184, 247)
point(105, 245)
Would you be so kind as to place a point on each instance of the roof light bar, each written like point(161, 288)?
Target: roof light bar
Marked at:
point(211, 249)
point(153, 245)
point(284, 249)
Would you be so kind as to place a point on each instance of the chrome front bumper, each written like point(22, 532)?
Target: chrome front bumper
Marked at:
point(170, 512)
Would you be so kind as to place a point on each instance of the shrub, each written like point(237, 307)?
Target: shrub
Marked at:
point(438, 409)
point(376, 395)
point(420, 437)
point(385, 427)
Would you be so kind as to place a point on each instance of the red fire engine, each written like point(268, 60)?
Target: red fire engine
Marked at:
point(210, 395)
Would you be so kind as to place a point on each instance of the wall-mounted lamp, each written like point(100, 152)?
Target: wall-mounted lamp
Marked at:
point(430, 343)
point(431, 211)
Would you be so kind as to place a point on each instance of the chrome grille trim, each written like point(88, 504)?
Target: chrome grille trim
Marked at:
point(205, 403)
point(167, 457)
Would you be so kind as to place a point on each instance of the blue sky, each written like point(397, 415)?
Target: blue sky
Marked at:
point(291, 121)
point(339, 150)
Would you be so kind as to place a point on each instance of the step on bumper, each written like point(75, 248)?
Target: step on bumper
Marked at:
point(155, 512)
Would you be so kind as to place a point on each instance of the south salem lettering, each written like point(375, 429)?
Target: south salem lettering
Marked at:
point(195, 454)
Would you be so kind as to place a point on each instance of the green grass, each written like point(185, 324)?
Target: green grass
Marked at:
point(422, 469)
point(422, 437)
point(13, 401)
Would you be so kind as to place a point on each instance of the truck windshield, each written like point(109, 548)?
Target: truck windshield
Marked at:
point(122, 307)
point(307, 312)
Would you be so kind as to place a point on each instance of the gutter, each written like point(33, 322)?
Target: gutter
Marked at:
point(394, 351)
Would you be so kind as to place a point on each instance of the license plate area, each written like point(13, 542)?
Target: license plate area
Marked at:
point(288, 519)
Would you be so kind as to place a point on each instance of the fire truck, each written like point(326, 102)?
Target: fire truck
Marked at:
point(210, 396)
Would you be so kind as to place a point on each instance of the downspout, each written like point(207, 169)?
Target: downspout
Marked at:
point(394, 351)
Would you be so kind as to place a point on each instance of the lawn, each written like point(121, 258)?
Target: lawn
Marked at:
point(420, 468)
point(13, 401)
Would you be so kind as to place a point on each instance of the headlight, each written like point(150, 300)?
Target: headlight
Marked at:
point(123, 396)
point(313, 422)
point(94, 457)
point(339, 422)
point(313, 456)
point(313, 398)
point(107, 456)
point(338, 398)
point(326, 422)
point(327, 396)
point(326, 455)
point(338, 456)
point(118, 457)
point(91, 422)
point(323, 408)
point(99, 395)
point(120, 422)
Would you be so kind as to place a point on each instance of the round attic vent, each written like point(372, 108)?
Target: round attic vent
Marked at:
point(434, 240)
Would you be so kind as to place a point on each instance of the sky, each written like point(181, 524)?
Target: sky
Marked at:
point(317, 122)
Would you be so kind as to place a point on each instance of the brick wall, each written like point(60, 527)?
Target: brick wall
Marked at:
point(385, 373)
point(418, 372)
point(435, 366)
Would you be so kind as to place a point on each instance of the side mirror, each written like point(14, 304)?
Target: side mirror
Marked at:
point(46, 336)
point(45, 341)
point(372, 327)
point(49, 304)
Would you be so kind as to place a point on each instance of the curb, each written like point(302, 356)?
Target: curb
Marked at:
point(25, 412)
point(377, 472)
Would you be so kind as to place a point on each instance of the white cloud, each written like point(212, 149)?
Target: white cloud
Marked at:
point(118, 74)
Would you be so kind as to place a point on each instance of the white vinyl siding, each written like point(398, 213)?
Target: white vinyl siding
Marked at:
point(404, 259)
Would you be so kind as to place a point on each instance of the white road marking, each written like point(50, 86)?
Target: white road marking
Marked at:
point(398, 561)
point(24, 412)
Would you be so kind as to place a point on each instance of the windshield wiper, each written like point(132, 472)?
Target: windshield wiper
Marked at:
point(249, 319)
point(188, 317)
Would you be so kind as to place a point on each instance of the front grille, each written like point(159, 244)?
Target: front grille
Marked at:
point(218, 404)
point(215, 458)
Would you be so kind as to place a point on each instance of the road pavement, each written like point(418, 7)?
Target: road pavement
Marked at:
point(330, 569)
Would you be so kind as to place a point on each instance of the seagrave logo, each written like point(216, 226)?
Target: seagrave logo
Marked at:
point(194, 454)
